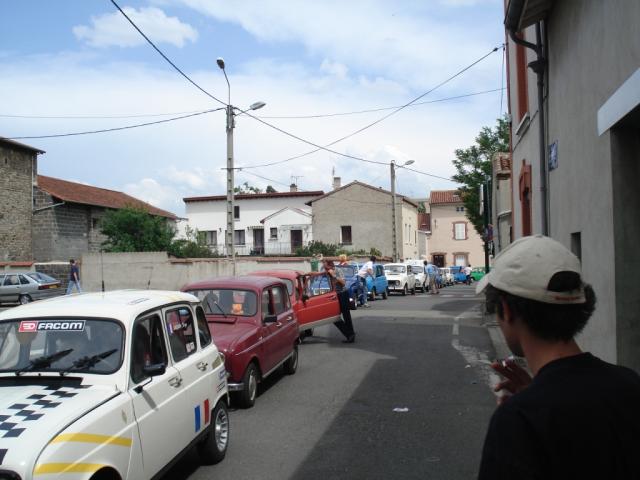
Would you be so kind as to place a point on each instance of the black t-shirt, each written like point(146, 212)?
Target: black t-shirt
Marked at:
point(74, 270)
point(579, 418)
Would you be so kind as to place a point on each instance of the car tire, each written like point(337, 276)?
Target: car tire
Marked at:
point(405, 290)
point(373, 294)
point(24, 299)
point(247, 396)
point(291, 364)
point(385, 294)
point(213, 448)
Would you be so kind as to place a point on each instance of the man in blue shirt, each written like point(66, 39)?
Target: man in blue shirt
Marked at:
point(74, 277)
point(432, 273)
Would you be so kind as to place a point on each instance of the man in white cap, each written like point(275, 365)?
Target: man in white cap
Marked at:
point(578, 417)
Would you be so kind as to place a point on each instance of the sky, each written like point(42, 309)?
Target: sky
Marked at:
point(66, 59)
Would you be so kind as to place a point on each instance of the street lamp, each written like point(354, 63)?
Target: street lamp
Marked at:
point(394, 234)
point(230, 169)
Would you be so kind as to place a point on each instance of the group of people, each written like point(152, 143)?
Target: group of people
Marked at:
point(432, 272)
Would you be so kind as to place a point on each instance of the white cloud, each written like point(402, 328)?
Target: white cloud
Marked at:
point(112, 29)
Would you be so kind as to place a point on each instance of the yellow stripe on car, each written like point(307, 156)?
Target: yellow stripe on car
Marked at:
point(44, 468)
point(92, 438)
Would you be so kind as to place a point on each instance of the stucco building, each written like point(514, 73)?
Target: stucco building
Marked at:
point(453, 240)
point(358, 216)
point(501, 201)
point(576, 149)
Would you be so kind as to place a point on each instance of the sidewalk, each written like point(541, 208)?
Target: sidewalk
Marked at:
point(497, 338)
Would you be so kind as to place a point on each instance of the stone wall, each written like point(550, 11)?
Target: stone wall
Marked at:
point(16, 177)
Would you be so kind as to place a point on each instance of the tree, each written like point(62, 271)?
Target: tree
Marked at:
point(192, 246)
point(473, 166)
point(270, 189)
point(246, 188)
point(133, 229)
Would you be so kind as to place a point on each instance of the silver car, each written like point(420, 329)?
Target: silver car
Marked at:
point(24, 287)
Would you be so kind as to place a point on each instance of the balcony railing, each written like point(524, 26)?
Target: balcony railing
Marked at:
point(269, 247)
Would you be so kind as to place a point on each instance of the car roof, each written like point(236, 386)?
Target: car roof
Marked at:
point(246, 282)
point(124, 305)
point(278, 273)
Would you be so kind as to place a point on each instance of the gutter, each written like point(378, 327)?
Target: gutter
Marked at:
point(539, 66)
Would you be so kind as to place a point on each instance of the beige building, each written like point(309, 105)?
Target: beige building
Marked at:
point(577, 181)
point(358, 217)
point(501, 201)
point(453, 239)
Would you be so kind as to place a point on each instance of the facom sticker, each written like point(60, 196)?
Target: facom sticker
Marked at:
point(28, 326)
point(62, 326)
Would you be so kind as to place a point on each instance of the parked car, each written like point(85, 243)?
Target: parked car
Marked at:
point(253, 324)
point(477, 273)
point(417, 267)
point(447, 276)
point(24, 287)
point(90, 385)
point(376, 284)
point(401, 278)
point(458, 274)
point(314, 300)
point(350, 273)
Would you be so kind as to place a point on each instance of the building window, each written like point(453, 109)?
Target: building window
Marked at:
point(576, 244)
point(460, 230)
point(459, 209)
point(460, 259)
point(236, 212)
point(273, 235)
point(95, 223)
point(208, 237)
point(345, 235)
point(238, 237)
point(521, 80)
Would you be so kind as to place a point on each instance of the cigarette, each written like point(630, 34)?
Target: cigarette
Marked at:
point(510, 358)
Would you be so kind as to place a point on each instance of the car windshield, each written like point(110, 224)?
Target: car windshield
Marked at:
point(347, 270)
point(417, 269)
point(60, 344)
point(395, 268)
point(41, 277)
point(219, 301)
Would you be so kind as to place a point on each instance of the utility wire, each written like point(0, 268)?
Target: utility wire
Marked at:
point(263, 178)
point(94, 117)
point(113, 129)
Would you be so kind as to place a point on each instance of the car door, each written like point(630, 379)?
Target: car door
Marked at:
point(160, 404)
point(381, 283)
point(285, 329)
point(10, 289)
point(28, 286)
point(322, 306)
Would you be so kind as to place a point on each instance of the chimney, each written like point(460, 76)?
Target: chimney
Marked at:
point(293, 187)
point(336, 183)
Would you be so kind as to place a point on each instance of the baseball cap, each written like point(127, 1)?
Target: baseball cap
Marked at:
point(526, 266)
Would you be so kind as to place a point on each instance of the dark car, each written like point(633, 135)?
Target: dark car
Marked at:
point(253, 325)
point(25, 287)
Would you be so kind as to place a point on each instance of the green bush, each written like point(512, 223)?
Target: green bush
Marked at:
point(317, 247)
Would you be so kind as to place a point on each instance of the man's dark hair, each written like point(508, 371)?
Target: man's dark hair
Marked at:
point(372, 258)
point(425, 262)
point(72, 261)
point(547, 320)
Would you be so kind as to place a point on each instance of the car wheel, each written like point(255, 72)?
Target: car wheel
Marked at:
point(405, 290)
point(291, 365)
point(214, 447)
point(24, 299)
point(373, 295)
point(385, 293)
point(247, 396)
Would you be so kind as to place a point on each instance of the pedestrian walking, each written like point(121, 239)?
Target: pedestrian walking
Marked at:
point(432, 273)
point(578, 416)
point(366, 271)
point(467, 273)
point(337, 279)
point(74, 277)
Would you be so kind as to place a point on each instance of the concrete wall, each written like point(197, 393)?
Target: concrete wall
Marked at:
point(442, 242)
point(16, 177)
point(582, 74)
point(155, 270)
point(408, 241)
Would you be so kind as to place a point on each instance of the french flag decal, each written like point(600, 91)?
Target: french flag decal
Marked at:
point(197, 412)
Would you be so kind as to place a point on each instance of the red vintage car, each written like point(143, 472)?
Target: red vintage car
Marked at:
point(313, 298)
point(253, 325)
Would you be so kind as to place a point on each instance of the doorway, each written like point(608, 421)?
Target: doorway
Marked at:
point(296, 240)
point(258, 241)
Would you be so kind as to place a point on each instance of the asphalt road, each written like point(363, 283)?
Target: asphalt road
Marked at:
point(410, 399)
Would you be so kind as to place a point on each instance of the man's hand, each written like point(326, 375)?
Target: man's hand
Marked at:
point(516, 378)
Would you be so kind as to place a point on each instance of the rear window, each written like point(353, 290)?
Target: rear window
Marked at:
point(41, 277)
point(347, 270)
point(395, 268)
point(416, 269)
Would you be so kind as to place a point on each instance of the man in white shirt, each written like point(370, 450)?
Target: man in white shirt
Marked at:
point(365, 271)
point(467, 272)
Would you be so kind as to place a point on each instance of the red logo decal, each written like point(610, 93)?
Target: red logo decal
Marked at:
point(28, 326)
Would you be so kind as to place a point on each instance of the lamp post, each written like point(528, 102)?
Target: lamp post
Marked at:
point(230, 168)
point(394, 233)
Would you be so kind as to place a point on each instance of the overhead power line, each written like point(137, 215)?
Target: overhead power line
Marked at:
point(32, 137)
point(95, 117)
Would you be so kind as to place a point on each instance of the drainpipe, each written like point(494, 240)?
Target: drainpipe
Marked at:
point(539, 66)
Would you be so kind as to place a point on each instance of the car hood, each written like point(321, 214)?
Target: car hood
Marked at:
point(227, 335)
point(31, 415)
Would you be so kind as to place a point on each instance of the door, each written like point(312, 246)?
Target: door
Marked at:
point(160, 405)
point(322, 306)
point(258, 241)
point(296, 240)
point(10, 289)
point(380, 280)
point(285, 330)
point(438, 260)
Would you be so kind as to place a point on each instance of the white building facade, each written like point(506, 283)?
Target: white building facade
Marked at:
point(264, 223)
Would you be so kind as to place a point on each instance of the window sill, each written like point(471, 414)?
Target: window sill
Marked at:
point(523, 125)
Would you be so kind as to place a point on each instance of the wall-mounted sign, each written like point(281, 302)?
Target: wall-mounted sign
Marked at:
point(553, 156)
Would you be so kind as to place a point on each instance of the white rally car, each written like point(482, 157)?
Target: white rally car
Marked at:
point(109, 386)
point(400, 278)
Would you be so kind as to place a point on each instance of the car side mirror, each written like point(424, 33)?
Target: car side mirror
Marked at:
point(270, 319)
point(155, 370)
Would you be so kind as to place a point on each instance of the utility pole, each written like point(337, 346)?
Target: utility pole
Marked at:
point(394, 233)
point(485, 208)
point(231, 253)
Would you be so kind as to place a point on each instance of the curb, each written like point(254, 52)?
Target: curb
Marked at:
point(497, 338)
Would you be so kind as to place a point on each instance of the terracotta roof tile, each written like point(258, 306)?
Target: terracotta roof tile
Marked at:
point(444, 196)
point(87, 195)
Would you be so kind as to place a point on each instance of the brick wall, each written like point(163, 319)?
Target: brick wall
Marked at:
point(16, 176)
